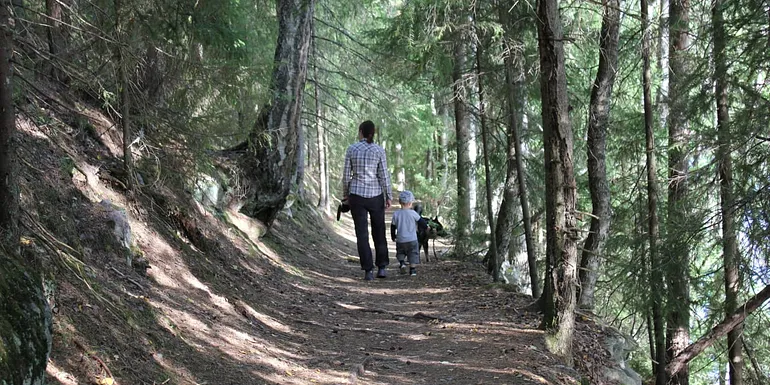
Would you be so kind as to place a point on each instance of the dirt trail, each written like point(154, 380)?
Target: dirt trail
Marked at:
point(293, 309)
point(445, 326)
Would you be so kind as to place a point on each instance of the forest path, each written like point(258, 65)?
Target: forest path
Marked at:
point(447, 325)
point(287, 309)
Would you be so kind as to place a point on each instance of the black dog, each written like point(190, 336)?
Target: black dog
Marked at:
point(342, 208)
point(428, 228)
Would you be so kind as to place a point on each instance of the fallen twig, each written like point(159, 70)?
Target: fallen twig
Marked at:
point(97, 359)
point(129, 279)
point(423, 316)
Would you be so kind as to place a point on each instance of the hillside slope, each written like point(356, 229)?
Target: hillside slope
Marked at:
point(197, 299)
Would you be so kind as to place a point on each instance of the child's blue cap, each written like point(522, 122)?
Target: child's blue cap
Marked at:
point(406, 196)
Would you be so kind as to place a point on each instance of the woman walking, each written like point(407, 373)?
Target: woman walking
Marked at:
point(366, 188)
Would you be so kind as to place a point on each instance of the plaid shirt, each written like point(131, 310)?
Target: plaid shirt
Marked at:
point(366, 171)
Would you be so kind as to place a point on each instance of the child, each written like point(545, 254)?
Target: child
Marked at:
point(403, 231)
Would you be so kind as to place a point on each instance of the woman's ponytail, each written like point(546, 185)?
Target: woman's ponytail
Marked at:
point(367, 131)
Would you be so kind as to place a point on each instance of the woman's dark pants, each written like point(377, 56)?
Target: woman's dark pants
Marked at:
point(375, 208)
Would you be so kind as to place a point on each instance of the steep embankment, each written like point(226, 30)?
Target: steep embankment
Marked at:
point(217, 306)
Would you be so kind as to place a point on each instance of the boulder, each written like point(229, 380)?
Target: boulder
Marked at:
point(207, 191)
point(619, 345)
point(514, 275)
point(117, 219)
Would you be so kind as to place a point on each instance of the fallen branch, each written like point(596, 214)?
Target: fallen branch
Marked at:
point(735, 319)
point(429, 318)
point(127, 278)
point(97, 359)
point(343, 329)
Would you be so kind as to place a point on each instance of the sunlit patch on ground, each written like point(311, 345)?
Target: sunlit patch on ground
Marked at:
point(60, 375)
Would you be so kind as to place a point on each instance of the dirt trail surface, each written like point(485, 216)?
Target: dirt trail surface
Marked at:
point(306, 317)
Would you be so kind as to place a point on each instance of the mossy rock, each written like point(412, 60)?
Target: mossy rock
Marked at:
point(25, 325)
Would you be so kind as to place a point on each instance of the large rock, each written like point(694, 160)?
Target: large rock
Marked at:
point(208, 191)
point(117, 219)
point(619, 345)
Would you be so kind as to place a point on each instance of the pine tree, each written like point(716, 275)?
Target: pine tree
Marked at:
point(561, 194)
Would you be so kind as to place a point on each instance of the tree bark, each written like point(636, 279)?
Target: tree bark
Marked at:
point(323, 172)
point(515, 178)
point(494, 259)
point(125, 95)
point(678, 259)
point(57, 38)
point(400, 172)
point(679, 363)
point(274, 160)
point(664, 39)
point(25, 320)
point(560, 188)
point(653, 228)
point(323, 179)
point(724, 153)
point(443, 110)
point(299, 178)
point(9, 190)
point(598, 124)
point(462, 134)
point(429, 165)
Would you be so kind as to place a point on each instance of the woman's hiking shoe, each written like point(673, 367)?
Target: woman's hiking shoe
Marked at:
point(402, 268)
point(412, 271)
point(368, 276)
point(381, 273)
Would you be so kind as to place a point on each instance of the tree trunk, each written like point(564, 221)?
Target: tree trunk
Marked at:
point(560, 188)
point(656, 272)
point(57, 38)
point(661, 96)
point(494, 258)
point(679, 363)
point(514, 75)
point(19, 14)
point(462, 130)
point(443, 156)
point(724, 153)
point(125, 96)
point(299, 175)
point(9, 190)
point(323, 172)
point(25, 320)
point(400, 172)
point(429, 165)
point(275, 159)
point(598, 124)
point(323, 179)
point(678, 321)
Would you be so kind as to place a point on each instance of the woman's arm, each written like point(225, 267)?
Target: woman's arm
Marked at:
point(347, 174)
point(384, 177)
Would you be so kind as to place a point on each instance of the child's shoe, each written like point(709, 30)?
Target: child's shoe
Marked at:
point(412, 271)
point(402, 267)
